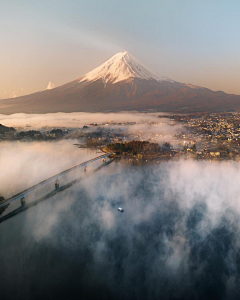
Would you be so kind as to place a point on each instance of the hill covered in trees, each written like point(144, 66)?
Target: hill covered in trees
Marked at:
point(135, 147)
point(5, 129)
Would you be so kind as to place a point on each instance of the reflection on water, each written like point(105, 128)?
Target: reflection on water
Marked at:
point(178, 237)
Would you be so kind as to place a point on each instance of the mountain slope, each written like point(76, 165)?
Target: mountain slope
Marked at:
point(122, 83)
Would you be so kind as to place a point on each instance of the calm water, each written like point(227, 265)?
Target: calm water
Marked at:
point(177, 239)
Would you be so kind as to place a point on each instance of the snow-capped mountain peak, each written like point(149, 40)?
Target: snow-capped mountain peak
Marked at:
point(122, 84)
point(122, 66)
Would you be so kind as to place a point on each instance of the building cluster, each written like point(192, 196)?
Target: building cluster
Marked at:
point(216, 135)
point(213, 136)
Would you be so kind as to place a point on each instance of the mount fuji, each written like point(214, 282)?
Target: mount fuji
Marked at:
point(122, 84)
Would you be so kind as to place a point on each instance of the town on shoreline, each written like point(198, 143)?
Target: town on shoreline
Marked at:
point(202, 136)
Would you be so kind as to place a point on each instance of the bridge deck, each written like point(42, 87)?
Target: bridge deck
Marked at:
point(50, 195)
point(54, 177)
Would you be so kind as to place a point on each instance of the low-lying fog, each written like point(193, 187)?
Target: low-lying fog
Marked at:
point(23, 164)
point(145, 126)
point(177, 239)
point(77, 119)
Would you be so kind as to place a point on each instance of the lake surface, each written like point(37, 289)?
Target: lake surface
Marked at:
point(178, 237)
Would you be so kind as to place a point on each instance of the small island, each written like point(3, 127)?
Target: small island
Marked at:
point(5, 129)
point(141, 150)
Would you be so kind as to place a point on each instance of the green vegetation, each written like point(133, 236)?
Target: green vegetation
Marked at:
point(4, 129)
point(135, 147)
point(93, 142)
point(30, 134)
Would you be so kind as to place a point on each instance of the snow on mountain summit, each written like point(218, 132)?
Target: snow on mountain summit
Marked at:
point(122, 66)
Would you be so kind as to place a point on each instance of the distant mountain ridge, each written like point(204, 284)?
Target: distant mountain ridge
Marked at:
point(123, 84)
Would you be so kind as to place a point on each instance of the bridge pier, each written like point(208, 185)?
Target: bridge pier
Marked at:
point(23, 202)
point(56, 184)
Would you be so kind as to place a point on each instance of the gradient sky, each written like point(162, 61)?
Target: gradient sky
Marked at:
point(58, 41)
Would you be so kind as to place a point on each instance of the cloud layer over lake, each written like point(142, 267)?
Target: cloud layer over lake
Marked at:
point(177, 239)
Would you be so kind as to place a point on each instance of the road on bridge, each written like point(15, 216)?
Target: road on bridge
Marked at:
point(22, 194)
point(50, 195)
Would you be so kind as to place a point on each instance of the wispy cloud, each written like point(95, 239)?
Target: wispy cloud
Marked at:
point(50, 85)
